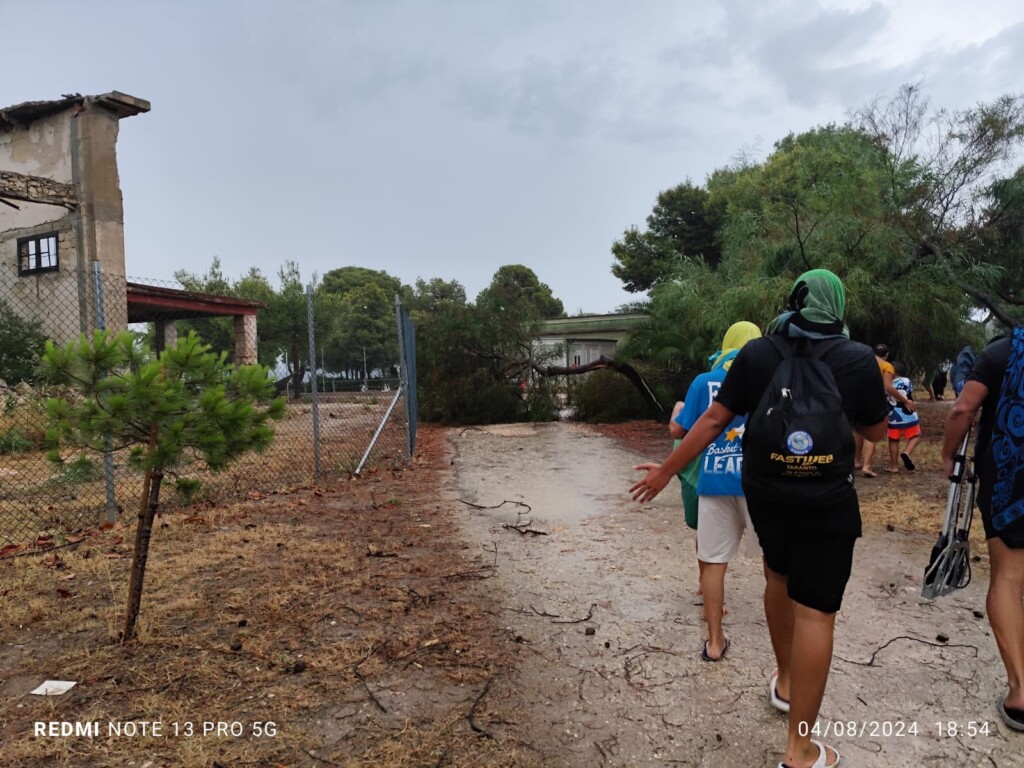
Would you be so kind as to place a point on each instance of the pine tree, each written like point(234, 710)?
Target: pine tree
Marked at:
point(163, 408)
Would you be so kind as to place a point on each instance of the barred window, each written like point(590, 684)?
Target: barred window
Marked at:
point(37, 254)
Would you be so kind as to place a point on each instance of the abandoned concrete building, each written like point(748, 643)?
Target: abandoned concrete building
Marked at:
point(62, 255)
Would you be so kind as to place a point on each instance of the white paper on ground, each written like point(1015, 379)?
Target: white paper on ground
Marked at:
point(54, 687)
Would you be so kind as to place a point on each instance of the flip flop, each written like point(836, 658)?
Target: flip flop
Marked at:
point(1014, 718)
point(725, 648)
point(907, 462)
point(777, 701)
point(822, 756)
point(892, 471)
point(867, 472)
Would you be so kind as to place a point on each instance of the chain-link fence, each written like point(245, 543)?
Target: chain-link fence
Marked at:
point(349, 403)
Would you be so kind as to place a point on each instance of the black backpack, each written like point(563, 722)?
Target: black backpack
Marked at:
point(798, 443)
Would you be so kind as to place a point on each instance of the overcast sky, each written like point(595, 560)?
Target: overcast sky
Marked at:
point(446, 138)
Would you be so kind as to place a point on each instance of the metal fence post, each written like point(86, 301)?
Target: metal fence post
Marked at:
point(403, 376)
point(108, 456)
point(312, 384)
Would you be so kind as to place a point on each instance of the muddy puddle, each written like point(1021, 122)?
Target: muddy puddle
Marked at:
point(598, 594)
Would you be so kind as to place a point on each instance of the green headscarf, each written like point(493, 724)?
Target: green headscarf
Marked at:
point(819, 297)
point(817, 304)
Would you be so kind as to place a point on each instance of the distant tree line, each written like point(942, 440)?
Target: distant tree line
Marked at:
point(919, 210)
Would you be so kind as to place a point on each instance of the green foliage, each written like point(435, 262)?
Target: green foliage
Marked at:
point(363, 336)
point(475, 398)
point(607, 397)
point(81, 470)
point(14, 441)
point(164, 407)
point(904, 203)
point(516, 290)
point(472, 360)
point(540, 403)
point(683, 224)
point(21, 344)
point(435, 296)
point(347, 279)
point(187, 490)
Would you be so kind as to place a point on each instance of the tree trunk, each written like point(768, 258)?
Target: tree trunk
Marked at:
point(148, 504)
point(298, 369)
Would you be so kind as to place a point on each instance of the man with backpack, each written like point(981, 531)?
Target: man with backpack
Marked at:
point(806, 387)
point(995, 386)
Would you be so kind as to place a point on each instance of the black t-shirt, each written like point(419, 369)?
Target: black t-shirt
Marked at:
point(859, 381)
point(989, 369)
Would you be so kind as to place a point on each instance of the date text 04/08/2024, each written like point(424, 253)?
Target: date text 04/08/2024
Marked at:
point(893, 728)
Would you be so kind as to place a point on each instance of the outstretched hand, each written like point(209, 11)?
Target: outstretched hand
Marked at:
point(652, 484)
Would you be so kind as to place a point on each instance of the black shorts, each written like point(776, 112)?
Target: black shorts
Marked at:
point(816, 560)
point(1013, 535)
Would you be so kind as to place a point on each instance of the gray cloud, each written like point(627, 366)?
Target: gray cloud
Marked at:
point(446, 138)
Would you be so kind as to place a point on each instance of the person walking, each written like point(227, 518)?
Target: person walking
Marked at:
point(722, 515)
point(904, 424)
point(888, 377)
point(808, 544)
point(995, 385)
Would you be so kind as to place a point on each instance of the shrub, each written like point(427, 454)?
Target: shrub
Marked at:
point(21, 344)
point(607, 396)
point(13, 441)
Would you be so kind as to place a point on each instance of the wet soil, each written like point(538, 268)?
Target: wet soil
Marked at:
point(599, 595)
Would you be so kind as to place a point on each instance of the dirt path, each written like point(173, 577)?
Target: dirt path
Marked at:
point(601, 606)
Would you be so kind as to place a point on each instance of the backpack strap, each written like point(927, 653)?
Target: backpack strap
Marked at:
point(818, 348)
point(781, 344)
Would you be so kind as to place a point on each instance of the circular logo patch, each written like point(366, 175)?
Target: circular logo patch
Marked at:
point(799, 443)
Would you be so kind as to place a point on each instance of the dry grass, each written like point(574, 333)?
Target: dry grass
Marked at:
point(36, 501)
point(346, 616)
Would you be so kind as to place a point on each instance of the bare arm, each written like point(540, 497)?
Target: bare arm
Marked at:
point(709, 426)
point(676, 431)
point(874, 432)
point(959, 419)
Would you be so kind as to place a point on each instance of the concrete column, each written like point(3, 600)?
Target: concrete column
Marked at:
point(245, 339)
point(100, 215)
point(166, 334)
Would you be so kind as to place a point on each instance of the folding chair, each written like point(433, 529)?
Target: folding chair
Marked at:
point(949, 567)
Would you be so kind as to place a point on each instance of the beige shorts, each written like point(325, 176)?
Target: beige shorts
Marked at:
point(721, 521)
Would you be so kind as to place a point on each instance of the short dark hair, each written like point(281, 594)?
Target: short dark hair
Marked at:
point(882, 350)
point(900, 368)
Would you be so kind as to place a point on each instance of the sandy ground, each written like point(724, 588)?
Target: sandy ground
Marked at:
point(598, 594)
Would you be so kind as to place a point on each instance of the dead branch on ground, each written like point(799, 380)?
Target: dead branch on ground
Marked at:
point(472, 710)
point(588, 617)
point(871, 662)
point(524, 528)
point(497, 506)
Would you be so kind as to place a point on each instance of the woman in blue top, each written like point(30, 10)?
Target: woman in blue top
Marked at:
point(722, 510)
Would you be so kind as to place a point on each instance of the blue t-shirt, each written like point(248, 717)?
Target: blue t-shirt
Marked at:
point(899, 418)
point(722, 466)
